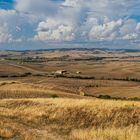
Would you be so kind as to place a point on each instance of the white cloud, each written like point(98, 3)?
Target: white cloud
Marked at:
point(38, 7)
point(15, 26)
point(71, 3)
point(110, 8)
point(130, 36)
point(7, 13)
point(67, 20)
point(5, 36)
point(94, 29)
point(107, 31)
point(138, 28)
point(54, 30)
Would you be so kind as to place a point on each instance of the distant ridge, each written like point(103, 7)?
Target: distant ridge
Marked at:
point(76, 49)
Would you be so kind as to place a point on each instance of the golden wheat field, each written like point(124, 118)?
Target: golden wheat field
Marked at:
point(69, 119)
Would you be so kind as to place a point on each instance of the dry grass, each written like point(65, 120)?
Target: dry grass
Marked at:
point(74, 119)
point(127, 92)
point(129, 133)
point(6, 133)
point(44, 87)
point(18, 90)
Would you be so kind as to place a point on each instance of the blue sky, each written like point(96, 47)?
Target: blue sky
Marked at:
point(6, 4)
point(32, 24)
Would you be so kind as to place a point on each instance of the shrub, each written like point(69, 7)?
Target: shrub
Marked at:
point(104, 97)
point(55, 96)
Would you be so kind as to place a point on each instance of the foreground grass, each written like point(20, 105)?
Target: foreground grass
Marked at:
point(69, 119)
point(129, 133)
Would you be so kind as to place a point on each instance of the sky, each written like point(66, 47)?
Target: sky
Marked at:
point(36, 24)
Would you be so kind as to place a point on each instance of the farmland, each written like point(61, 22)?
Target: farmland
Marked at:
point(70, 95)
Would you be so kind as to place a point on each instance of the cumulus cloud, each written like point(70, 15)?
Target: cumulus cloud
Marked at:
point(14, 26)
point(4, 34)
point(51, 29)
point(138, 27)
point(106, 31)
point(71, 3)
point(120, 29)
point(70, 20)
point(110, 8)
point(93, 20)
point(38, 7)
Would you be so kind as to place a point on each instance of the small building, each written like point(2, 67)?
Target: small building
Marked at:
point(60, 72)
point(78, 72)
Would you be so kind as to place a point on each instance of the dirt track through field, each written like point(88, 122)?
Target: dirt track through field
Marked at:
point(26, 68)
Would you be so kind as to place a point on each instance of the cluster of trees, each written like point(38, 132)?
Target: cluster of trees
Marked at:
point(117, 98)
point(28, 59)
point(108, 97)
point(17, 75)
point(123, 79)
point(75, 76)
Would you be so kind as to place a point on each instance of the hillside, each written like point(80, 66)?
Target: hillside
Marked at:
point(96, 98)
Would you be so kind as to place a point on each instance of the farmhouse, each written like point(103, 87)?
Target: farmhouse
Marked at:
point(78, 72)
point(60, 72)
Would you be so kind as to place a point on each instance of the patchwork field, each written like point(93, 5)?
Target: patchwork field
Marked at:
point(120, 79)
